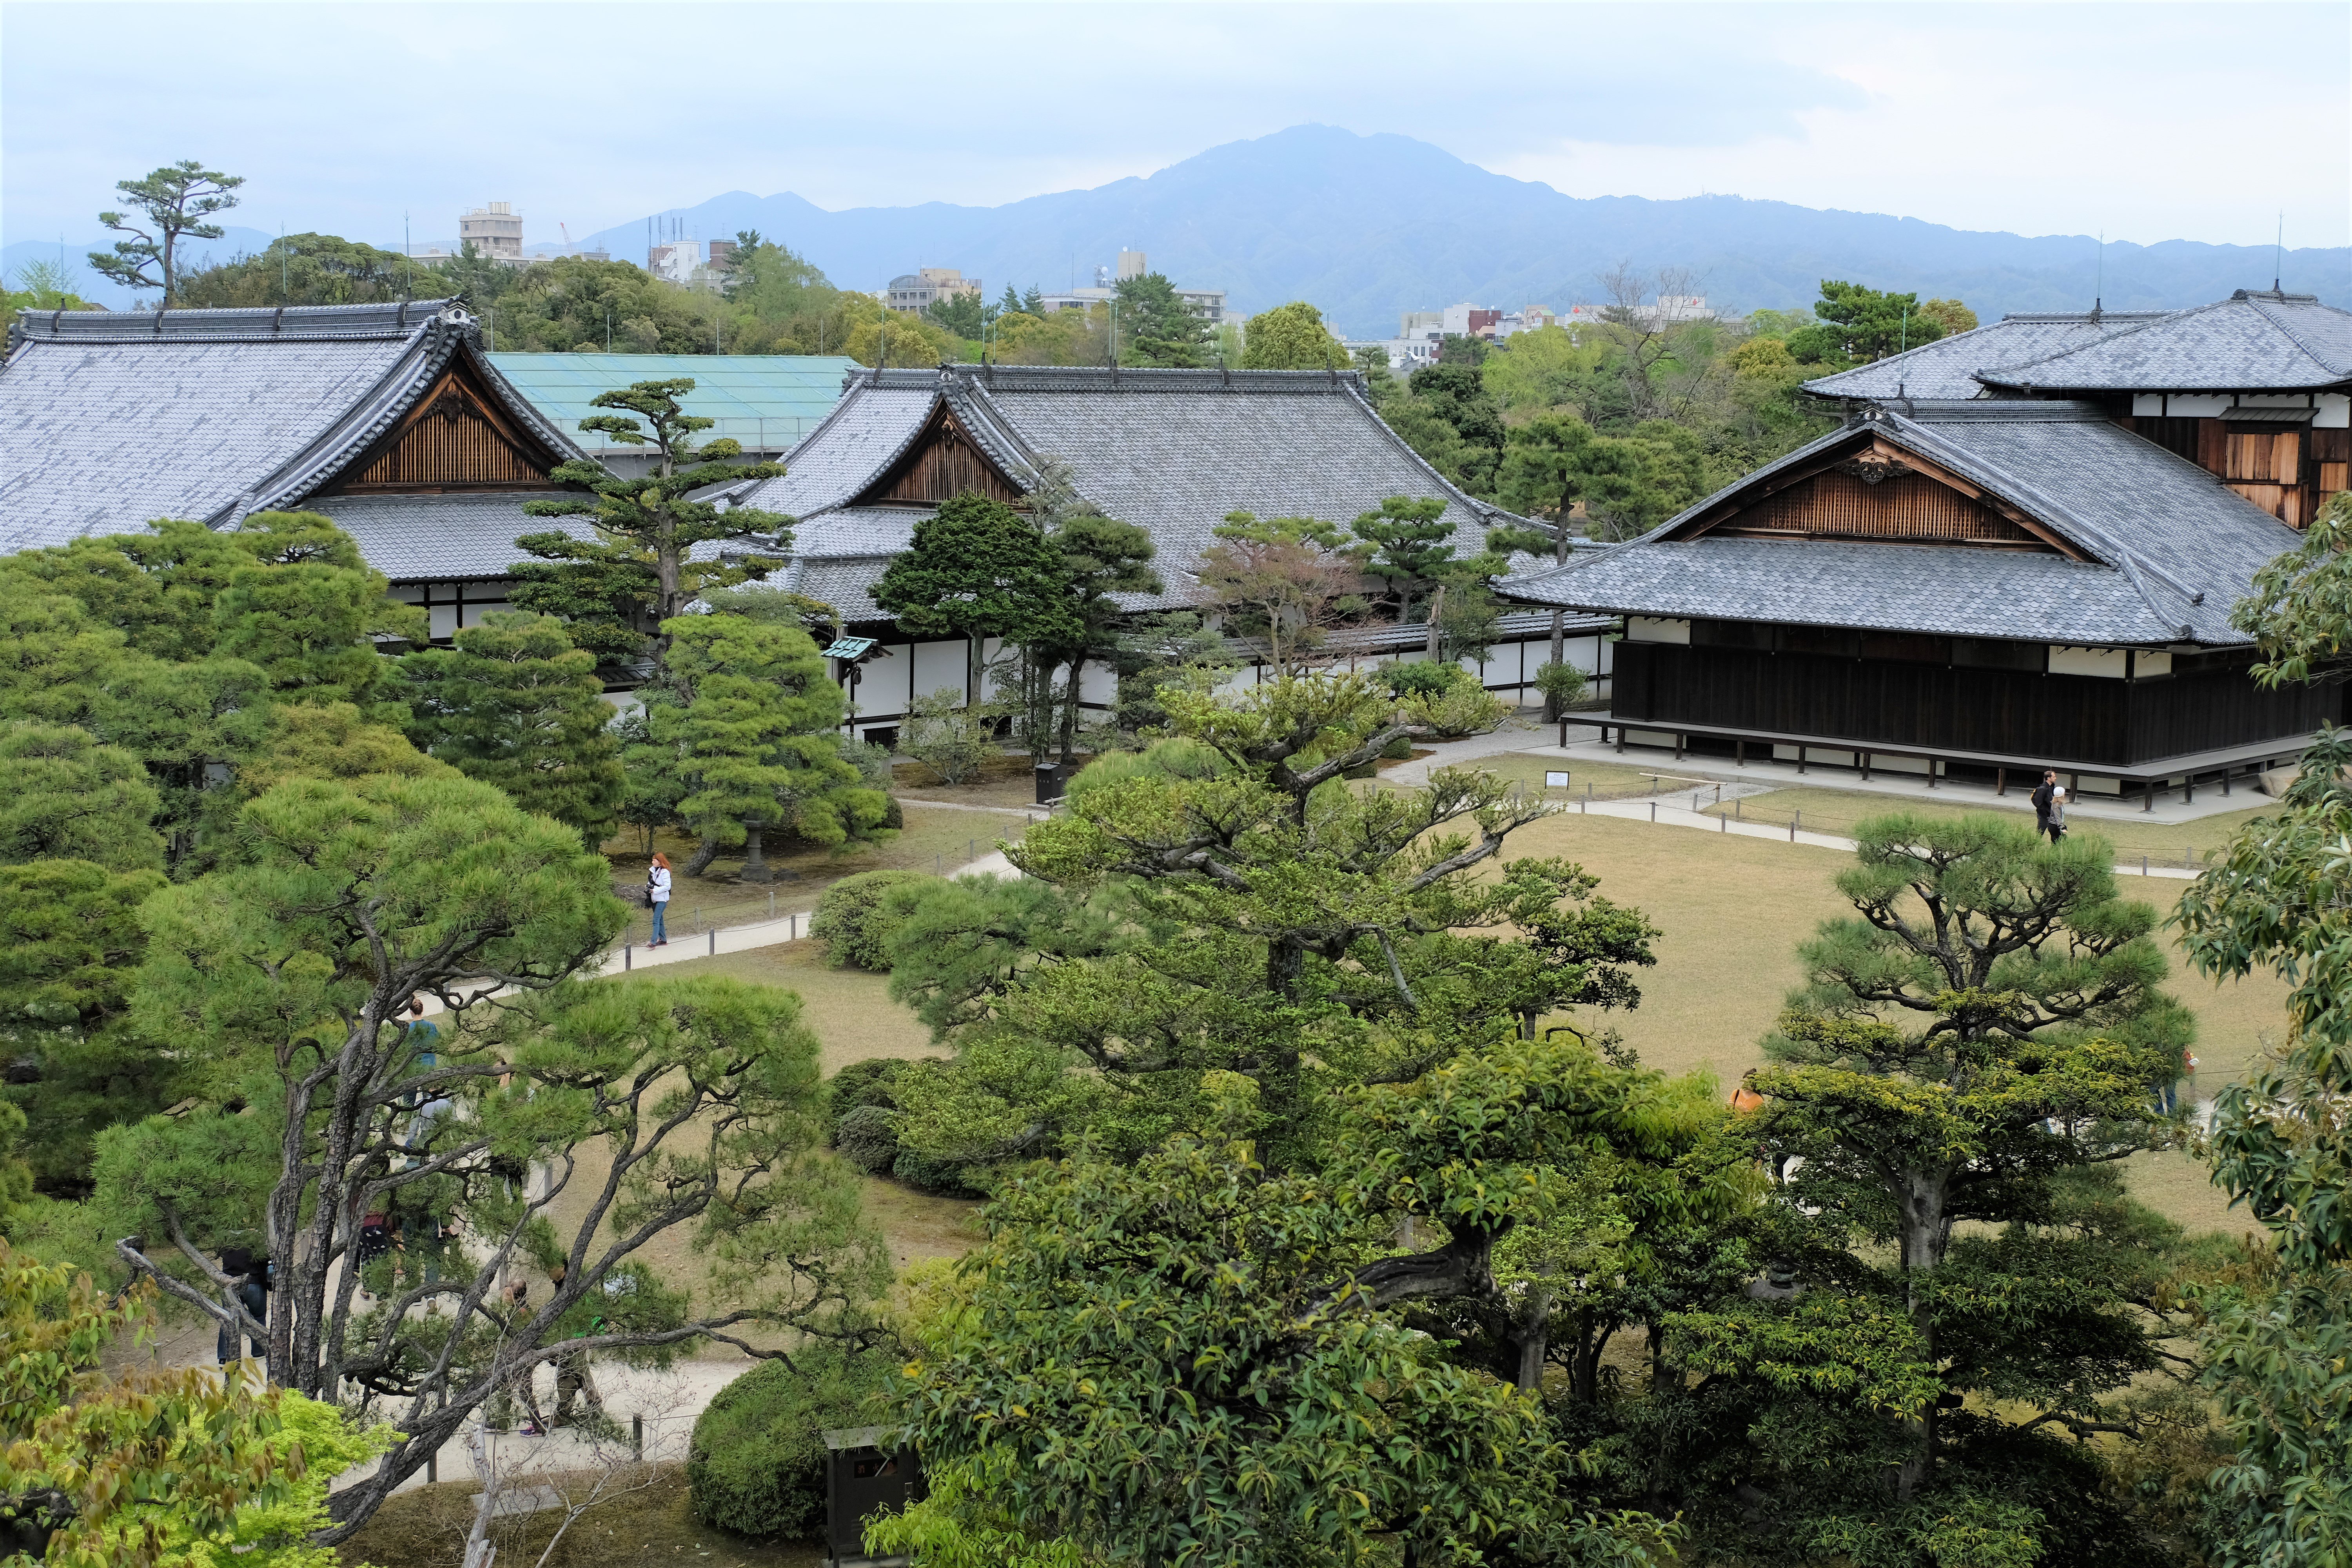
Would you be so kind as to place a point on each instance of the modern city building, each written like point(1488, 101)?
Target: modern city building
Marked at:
point(913, 292)
point(495, 230)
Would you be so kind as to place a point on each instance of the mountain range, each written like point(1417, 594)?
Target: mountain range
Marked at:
point(1366, 226)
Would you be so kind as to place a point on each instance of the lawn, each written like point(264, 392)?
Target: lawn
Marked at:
point(1836, 811)
point(1733, 910)
point(933, 839)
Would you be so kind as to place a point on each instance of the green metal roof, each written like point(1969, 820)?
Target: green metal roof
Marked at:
point(768, 402)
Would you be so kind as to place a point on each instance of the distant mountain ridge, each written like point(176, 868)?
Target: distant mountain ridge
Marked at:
point(1366, 226)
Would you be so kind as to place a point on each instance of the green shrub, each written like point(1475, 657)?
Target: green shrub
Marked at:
point(855, 916)
point(757, 1464)
point(1562, 685)
point(1175, 758)
point(869, 1082)
point(1424, 678)
point(1399, 750)
point(868, 1138)
point(893, 815)
point(1464, 710)
point(925, 1174)
point(950, 737)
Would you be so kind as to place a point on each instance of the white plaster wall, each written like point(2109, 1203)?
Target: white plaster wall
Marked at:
point(939, 665)
point(1650, 628)
point(2335, 411)
point(2104, 662)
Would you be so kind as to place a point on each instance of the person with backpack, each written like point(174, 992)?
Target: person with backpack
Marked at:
point(657, 896)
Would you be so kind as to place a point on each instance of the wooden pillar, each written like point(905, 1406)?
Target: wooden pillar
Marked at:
point(1931, 772)
point(1740, 752)
point(1865, 767)
point(2148, 796)
point(1621, 739)
point(2225, 781)
point(2000, 781)
point(2189, 789)
point(1801, 759)
point(1678, 745)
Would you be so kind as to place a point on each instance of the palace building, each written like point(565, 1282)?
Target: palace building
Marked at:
point(2022, 549)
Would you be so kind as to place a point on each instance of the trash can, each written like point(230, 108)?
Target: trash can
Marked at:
point(861, 1480)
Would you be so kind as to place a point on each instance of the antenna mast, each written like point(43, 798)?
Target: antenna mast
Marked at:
point(2278, 253)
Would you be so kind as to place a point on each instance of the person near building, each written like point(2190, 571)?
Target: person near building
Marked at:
point(2056, 826)
point(657, 896)
point(2043, 793)
point(516, 1389)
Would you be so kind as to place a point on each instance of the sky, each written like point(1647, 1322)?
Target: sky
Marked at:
point(2146, 122)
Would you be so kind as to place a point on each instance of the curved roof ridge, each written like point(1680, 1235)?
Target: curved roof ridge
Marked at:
point(988, 423)
point(2155, 321)
point(237, 323)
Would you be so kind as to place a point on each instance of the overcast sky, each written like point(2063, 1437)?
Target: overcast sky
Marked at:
point(2148, 121)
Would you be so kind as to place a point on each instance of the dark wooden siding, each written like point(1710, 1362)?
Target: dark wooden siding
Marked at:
point(1838, 505)
point(453, 439)
point(1931, 707)
point(943, 464)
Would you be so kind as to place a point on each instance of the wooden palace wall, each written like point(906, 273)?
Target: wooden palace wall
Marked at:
point(1941, 708)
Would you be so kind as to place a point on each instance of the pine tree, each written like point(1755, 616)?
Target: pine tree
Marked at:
point(748, 725)
point(515, 704)
point(618, 594)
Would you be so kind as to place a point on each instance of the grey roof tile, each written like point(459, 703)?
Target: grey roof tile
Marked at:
point(1170, 451)
point(2248, 343)
point(1948, 367)
point(2171, 548)
point(412, 538)
point(111, 420)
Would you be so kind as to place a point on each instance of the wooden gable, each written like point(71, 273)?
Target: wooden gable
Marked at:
point(942, 463)
point(1878, 492)
point(457, 438)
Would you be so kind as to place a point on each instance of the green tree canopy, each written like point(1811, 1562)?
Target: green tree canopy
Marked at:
point(1156, 327)
point(515, 704)
point(1858, 325)
point(174, 202)
point(1291, 337)
point(618, 592)
point(303, 269)
point(747, 727)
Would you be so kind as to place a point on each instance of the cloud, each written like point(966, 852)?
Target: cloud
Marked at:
point(2143, 119)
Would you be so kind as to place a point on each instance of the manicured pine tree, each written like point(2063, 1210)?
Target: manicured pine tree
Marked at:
point(515, 704)
point(618, 594)
point(749, 726)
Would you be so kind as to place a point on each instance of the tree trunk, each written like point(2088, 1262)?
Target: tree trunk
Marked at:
point(1534, 1340)
point(755, 864)
point(1436, 607)
point(704, 854)
point(1070, 708)
point(1286, 962)
point(1924, 1231)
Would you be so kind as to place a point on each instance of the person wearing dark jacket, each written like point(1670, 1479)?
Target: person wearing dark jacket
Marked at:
point(248, 1286)
point(2044, 795)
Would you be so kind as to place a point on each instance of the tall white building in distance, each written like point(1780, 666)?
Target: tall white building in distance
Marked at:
point(496, 230)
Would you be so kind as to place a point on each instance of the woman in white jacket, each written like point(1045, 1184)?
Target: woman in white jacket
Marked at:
point(657, 895)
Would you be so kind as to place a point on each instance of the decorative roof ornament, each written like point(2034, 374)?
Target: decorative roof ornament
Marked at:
point(1874, 467)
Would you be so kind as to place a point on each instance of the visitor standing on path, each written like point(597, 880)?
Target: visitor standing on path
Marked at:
point(248, 1287)
point(2045, 794)
point(657, 895)
point(572, 1378)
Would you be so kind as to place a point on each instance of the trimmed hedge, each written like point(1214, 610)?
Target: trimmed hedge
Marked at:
point(1423, 678)
point(855, 916)
point(925, 1174)
point(868, 1138)
point(866, 1082)
point(757, 1464)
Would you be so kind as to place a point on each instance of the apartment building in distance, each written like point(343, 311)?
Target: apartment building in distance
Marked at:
point(1208, 304)
point(910, 293)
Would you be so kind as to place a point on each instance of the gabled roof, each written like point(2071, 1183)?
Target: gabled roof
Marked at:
point(2251, 341)
point(1171, 451)
point(113, 419)
point(1948, 367)
point(766, 401)
point(2162, 550)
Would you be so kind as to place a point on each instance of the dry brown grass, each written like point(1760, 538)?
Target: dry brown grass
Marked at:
point(1837, 811)
point(1733, 910)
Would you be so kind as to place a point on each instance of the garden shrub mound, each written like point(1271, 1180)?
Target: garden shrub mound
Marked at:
point(855, 917)
point(868, 1138)
point(757, 1465)
point(867, 1082)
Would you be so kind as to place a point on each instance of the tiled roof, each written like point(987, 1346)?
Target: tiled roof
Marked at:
point(2170, 548)
point(2249, 343)
point(1948, 367)
point(410, 538)
point(112, 419)
point(765, 401)
point(1171, 451)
